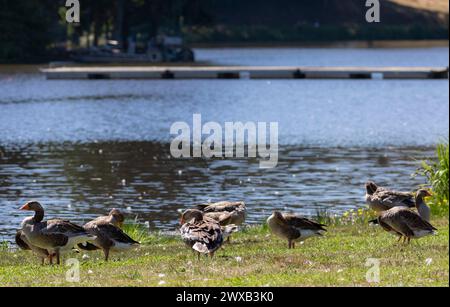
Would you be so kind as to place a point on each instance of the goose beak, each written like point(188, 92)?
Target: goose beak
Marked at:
point(429, 193)
point(181, 221)
point(25, 207)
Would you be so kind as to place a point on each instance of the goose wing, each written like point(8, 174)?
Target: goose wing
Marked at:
point(114, 233)
point(63, 226)
point(415, 222)
point(386, 226)
point(20, 242)
point(394, 198)
point(53, 239)
point(223, 218)
point(303, 223)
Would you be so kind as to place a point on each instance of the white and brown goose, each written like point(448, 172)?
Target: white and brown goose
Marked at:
point(381, 199)
point(109, 235)
point(203, 234)
point(294, 228)
point(56, 236)
point(406, 223)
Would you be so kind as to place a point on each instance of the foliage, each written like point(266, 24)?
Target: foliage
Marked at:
point(37, 30)
point(436, 171)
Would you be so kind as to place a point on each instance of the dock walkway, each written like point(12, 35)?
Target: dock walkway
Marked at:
point(244, 72)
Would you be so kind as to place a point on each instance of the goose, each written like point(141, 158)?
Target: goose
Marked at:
point(201, 233)
point(56, 236)
point(109, 236)
point(381, 199)
point(23, 243)
point(115, 217)
point(225, 212)
point(294, 228)
point(407, 224)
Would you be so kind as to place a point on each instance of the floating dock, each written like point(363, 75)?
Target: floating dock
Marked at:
point(244, 72)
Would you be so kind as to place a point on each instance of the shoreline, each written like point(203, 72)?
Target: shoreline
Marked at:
point(358, 44)
point(25, 66)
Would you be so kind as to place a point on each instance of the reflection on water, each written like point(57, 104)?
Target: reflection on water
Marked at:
point(81, 181)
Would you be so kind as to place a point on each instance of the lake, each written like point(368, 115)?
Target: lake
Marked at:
point(83, 147)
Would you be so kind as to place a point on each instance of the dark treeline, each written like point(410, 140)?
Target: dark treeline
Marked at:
point(33, 30)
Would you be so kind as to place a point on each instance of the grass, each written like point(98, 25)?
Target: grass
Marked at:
point(253, 258)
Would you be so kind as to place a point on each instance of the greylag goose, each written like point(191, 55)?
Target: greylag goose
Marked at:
point(225, 212)
point(109, 236)
point(204, 235)
point(56, 236)
point(23, 243)
point(294, 228)
point(115, 217)
point(380, 199)
point(406, 223)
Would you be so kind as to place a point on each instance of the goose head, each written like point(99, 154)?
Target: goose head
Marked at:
point(422, 193)
point(422, 208)
point(277, 217)
point(117, 217)
point(371, 187)
point(191, 215)
point(36, 207)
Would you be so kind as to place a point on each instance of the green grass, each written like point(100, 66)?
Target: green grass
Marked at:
point(436, 172)
point(254, 258)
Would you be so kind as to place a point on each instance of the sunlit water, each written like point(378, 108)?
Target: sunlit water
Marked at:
point(83, 147)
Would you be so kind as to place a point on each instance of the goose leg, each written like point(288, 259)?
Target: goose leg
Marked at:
point(399, 238)
point(51, 259)
point(289, 244)
point(106, 252)
point(58, 260)
point(293, 244)
point(198, 256)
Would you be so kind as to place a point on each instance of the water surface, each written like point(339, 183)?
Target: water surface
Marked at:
point(83, 147)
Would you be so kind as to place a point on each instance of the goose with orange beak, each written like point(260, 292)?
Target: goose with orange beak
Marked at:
point(56, 236)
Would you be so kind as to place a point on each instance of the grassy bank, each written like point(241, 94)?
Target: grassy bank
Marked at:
point(254, 258)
